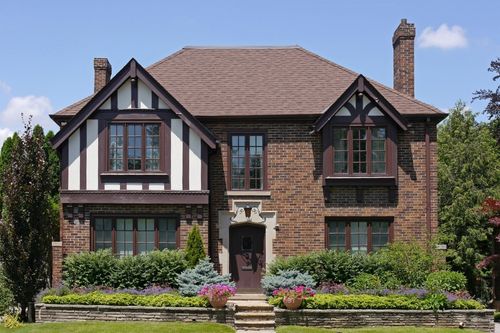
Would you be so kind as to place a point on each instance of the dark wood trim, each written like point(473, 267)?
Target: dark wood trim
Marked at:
point(154, 101)
point(134, 94)
point(185, 156)
point(178, 233)
point(64, 165)
point(134, 177)
point(123, 185)
point(133, 69)
point(361, 181)
point(83, 156)
point(428, 191)
point(114, 101)
point(135, 197)
point(103, 149)
point(132, 115)
point(204, 166)
point(327, 137)
point(167, 137)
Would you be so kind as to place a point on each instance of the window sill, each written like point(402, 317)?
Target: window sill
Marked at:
point(134, 176)
point(247, 193)
point(361, 181)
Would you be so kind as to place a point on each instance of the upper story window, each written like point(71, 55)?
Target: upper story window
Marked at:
point(134, 147)
point(359, 150)
point(126, 236)
point(247, 169)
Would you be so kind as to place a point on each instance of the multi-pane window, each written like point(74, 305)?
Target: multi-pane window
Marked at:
point(358, 235)
point(247, 162)
point(134, 147)
point(359, 150)
point(129, 236)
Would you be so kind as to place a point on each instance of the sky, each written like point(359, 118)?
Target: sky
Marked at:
point(47, 47)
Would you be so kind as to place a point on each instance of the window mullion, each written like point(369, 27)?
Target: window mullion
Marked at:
point(113, 236)
point(143, 147)
point(247, 162)
point(368, 151)
point(369, 244)
point(125, 147)
point(350, 147)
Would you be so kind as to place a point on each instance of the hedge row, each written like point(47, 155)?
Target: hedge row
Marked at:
point(102, 268)
point(432, 302)
point(99, 298)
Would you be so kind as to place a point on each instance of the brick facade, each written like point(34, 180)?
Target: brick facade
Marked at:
point(404, 54)
point(76, 235)
point(294, 160)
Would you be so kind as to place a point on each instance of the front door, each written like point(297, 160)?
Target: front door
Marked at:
point(247, 256)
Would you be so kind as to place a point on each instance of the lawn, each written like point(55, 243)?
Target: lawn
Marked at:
point(139, 327)
point(299, 329)
point(122, 327)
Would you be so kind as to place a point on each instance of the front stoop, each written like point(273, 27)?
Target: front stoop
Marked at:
point(253, 314)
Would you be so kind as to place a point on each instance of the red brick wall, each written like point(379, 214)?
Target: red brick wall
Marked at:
point(294, 159)
point(75, 237)
point(403, 42)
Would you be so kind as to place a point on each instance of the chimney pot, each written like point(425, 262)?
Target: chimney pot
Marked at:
point(403, 43)
point(102, 73)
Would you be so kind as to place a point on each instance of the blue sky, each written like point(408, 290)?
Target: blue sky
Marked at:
point(47, 47)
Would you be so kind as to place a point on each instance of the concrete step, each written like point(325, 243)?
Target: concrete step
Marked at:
point(261, 315)
point(254, 324)
point(253, 306)
point(248, 297)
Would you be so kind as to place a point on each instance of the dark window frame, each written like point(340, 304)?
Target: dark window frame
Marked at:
point(368, 151)
point(347, 235)
point(143, 124)
point(247, 134)
point(134, 217)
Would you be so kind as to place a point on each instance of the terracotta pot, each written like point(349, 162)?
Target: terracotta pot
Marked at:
point(218, 302)
point(292, 303)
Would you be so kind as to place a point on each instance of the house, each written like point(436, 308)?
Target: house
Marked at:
point(271, 151)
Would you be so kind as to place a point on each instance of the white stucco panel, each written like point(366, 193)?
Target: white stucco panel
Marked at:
point(74, 161)
point(92, 166)
point(176, 154)
point(194, 161)
point(143, 96)
point(125, 96)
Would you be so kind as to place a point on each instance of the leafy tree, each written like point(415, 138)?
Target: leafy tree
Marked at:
point(5, 154)
point(25, 233)
point(194, 248)
point(493, 97)
point(468, 172)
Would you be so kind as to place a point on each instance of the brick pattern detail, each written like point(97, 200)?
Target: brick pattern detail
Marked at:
point(404, 58)
point(481, 320)
point(57, 258)
point(75, 237)
point(295, 181)
point(63, 313)
point(102, 73)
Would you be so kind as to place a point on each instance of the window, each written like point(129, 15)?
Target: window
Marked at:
point(359, 150)
point(129, 236)
point(358, 235)
point(134, 147)
point(247, 162)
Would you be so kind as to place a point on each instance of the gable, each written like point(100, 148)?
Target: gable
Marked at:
point(133, 89)
point(360, 100)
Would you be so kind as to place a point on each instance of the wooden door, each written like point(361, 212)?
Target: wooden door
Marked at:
point(247, 256)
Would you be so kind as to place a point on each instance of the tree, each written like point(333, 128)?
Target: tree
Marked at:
point(25, 234)
point(493, 97)
point(5, 155)
point(468, 172)
point(194, 248)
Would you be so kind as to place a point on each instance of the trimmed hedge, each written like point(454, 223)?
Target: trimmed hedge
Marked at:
point(329, 301)
point(99, 298)
point(102, 268)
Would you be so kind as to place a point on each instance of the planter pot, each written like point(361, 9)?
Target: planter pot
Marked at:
point(292, 303)
point(218, 302)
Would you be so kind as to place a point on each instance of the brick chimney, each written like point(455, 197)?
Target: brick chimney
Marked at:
point(403, 42)
point(102, 73)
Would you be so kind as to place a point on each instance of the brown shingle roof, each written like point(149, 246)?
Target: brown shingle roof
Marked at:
point(211, 81)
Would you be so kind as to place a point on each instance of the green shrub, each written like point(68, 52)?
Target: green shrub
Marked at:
point(446, 281)
point(323, 266)
point(365, 281)
point(431, 302)
point(286, 279)
point(99, 298)
point(6, 297)
point(194, 247)
point(192, 280)
point(407, 262)
point(496, 316)
point(101, 268)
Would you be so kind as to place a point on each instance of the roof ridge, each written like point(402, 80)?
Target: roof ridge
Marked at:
point(240, 47)
point(373, 81)
point(165, 59)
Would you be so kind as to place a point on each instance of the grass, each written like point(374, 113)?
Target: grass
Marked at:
point(121, 327)
point(299, 329)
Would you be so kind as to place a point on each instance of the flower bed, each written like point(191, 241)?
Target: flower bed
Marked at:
point(127, 299)
point(403, 302)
